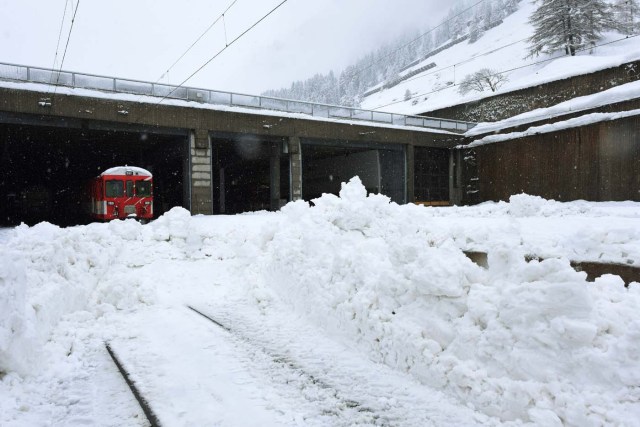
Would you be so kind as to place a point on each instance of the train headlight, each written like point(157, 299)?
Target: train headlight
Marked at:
point(147, 202)
point(110, 203)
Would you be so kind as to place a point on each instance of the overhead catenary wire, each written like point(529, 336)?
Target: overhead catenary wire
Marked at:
point(55, 58)
point(464, 61)
point(221, 16)
point(220, 52)
point(64, 55)
point(504, 71)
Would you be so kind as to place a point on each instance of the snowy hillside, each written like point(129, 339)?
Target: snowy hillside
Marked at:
point(502, 49)
point(355, 311)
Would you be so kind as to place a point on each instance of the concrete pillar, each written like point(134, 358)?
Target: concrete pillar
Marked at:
point(455, 176)
point(410, 173)
point(201, 187)
point(274, 175)
point(295, 159)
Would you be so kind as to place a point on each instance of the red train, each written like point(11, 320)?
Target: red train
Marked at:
point(122, 192)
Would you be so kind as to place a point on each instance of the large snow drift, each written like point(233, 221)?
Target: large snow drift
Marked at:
point(530, 341)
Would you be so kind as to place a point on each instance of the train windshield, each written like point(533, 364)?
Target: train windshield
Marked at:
point(143, 188)
point(113, 188)
point(129, 188)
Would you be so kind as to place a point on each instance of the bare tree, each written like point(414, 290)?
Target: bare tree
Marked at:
point(482, 80)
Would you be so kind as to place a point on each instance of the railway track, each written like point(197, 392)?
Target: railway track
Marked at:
point(334, 402)
point(228, 365)
point(324, 404)
point(144, 404)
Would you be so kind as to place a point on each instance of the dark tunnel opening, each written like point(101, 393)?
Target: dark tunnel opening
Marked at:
point(327, 165)
point(45, 169)
point(249, 174)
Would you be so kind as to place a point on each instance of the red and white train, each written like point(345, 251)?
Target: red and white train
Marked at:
point(122, 192)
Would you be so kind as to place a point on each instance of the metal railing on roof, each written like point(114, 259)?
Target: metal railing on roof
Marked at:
point(23, 73)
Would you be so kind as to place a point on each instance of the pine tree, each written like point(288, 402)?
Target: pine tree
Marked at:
point(499, 9)
point(627, 13)
point(487, 13)
point(568, 24)
point(511, 6)
point(474, 31)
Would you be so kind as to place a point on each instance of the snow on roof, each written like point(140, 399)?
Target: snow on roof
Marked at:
point(585, 120)
point(122, 170)
point(146, 99)
point(614, 95)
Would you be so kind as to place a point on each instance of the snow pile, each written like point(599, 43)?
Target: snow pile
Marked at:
point(524, 205)
point(47, 273)
point(531, 341)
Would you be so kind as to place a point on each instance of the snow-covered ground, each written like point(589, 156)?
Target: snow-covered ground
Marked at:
point(355, 311)
point(502, 49)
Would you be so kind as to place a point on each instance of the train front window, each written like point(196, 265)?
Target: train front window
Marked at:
point(113, 188)
point(129, 188)
point(143, 188)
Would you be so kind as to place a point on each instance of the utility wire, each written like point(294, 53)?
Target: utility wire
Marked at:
point(198, 39)
point(73, 20)
point(64, 55)
point(220, 51)
point(506, 71)
point(55, 58)
point(420, 76)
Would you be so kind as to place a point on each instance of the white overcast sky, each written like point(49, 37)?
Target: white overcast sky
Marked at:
point(140, 39)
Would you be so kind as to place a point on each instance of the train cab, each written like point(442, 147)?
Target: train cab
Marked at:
point(122, 192)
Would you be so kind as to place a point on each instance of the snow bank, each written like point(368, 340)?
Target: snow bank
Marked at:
point(47, 272)
point(530, 341)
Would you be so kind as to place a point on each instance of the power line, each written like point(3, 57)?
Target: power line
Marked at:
point(220, 52)
point(55, 58)
point(73, 19)
point(506, 71)
point(198, 39)
point(463, 61)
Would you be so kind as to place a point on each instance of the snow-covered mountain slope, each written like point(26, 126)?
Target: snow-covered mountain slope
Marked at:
point(502, 49)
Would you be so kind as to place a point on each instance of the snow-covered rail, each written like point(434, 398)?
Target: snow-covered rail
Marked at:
point(144, 404)
point(337, 407)
point(24, 73)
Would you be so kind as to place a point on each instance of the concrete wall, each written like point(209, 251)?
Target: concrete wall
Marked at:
point(201, 122)
point(504, 105)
